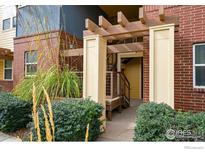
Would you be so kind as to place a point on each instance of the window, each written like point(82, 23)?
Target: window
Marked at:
point(30, 63)
point(199, 65)
point(14, 22)
point(6, 24)
point(7, 70)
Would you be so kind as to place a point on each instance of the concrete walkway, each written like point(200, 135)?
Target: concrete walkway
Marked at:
point(121, 128)
point(8, 138)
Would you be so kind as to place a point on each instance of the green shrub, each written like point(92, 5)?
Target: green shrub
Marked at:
point(71, 118)
point(14, 113)
point(58, 83)
point(152, 122)
point(190, 125)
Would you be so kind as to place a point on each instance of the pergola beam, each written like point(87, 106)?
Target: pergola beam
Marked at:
point(121, 19)
point(142, 15)
point(161, 13)
point(116, 48)
point(73, 52)
point(90, 25)
point(127, 47)
point(104, 23)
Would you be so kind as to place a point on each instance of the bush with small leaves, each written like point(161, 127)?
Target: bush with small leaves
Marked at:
point(14, 113)
point(154, 121)
point(71, 117)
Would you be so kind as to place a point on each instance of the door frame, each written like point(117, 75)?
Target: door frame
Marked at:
point(128, 55)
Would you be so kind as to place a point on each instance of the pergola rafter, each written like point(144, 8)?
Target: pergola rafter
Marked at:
point(121, 19)
point(104, 23)
point(125, 28)
point(142, 15)
point(161, 13)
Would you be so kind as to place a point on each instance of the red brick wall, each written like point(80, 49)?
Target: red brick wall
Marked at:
point(146, 68)
point(191, 30)
point(6, 85)
point(29, 43)
point(149, 8)
point(56, 41)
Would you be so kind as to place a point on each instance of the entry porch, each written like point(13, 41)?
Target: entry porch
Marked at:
point(130, 59)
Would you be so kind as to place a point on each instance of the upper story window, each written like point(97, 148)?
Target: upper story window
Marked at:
point(199, 65)
point(8, 70)
point(14, 22)
point(6, 24)
point(30, 63)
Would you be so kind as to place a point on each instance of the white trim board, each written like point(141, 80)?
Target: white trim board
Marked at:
point(194, 65)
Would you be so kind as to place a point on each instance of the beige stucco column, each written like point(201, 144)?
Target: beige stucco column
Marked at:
point(94, 69)
point(161, 75)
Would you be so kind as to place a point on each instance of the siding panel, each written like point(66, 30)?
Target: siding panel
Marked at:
point(6, 37)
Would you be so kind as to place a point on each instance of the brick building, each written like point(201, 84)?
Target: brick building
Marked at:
point(191, 32)
point(175, 76)
point(173, 54)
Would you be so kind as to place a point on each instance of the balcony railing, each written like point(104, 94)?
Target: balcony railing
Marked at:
point(111, 83)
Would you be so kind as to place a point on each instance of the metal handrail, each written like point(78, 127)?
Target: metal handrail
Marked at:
point(126, 84)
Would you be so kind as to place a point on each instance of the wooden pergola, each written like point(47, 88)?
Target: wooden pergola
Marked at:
point(124, 29)
point(102, 38)
point(6, 54)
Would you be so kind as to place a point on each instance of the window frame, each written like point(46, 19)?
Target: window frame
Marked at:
point(11, 68)
point(25, 63)
point(13, 22)
point(195, 65)
point(9, 24)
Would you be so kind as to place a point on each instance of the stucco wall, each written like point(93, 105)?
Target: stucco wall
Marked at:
point(132, 71)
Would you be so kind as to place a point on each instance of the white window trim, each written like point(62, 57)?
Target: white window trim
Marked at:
point(4, 30)
point(194, 65)
point(27, 75)
point(8, 68)
point(12, 26)
point(25, 65)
